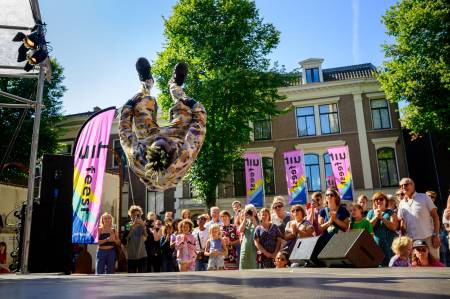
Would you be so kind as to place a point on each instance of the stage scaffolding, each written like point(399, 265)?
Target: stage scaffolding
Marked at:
point(21, 16)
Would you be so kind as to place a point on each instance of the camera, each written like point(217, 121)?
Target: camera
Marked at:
point(249, 213)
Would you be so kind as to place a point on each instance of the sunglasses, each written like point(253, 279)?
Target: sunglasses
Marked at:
point(379, 199)
point(421, 249)
point(202, 219)
point(281, 259)
point(296, 210)
point(404, 185)
point(278, 207)
point(329, 194)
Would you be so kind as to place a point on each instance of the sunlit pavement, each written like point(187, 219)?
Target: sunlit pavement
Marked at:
point(277, 283)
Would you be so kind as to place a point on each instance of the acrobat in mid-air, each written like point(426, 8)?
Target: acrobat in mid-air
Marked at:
point(161, 156)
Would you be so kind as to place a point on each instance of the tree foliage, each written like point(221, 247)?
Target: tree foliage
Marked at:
point(418, 64)
point(9, 119)
point(225, 44)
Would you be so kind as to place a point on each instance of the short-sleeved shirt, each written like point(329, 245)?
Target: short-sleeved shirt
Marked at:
point(417, 217)
point(341, 214)
point(362, 224)
point(397, 261)
point(268, 238)
point(201, 235)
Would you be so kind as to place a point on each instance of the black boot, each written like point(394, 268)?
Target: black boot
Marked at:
point(144, 69)
point(180, 73)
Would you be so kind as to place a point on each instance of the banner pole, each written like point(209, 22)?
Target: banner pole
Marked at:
point(32, 173)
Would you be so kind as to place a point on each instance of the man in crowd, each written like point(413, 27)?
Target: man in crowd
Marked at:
point(236, 205)
point(168, 217)
point(418, 216)
point(363, 201)
point(214, 211)
point(201, 236)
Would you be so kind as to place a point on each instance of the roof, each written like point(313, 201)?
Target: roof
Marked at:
point(365, 70)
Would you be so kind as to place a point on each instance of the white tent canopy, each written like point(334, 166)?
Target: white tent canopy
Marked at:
point(15, 16)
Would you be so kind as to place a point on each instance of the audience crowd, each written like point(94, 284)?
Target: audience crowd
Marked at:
point(406, 226)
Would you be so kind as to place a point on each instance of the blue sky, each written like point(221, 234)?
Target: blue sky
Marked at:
point(98, 41)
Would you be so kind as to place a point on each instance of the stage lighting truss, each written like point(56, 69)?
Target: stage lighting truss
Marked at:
point(33, 48)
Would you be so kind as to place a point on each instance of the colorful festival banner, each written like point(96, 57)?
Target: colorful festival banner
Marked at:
point(90, 151)
point(295, 177)
point(340, 164)
point(254, 181)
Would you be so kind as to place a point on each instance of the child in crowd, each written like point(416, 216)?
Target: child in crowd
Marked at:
point(215, 248)
point(358, 220)
point(281, 260)
point(402, 247)
point(185, 246)
point(167, 244)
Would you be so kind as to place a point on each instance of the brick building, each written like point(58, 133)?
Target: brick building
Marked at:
point(329, 107)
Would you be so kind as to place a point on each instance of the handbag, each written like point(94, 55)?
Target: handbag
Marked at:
point(201, 255)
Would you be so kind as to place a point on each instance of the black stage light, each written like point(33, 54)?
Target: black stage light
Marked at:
point(32, 48)
point(35, 57)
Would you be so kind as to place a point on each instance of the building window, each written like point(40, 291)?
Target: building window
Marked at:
point(118, 149)
point(387, 167)
point(329, 177)
point(380, 114)
point(312, 75)
point(239, 177)
point(329, 119)
point(262, 130)
point(269, 176)
point(306, 125)
point(312, 172)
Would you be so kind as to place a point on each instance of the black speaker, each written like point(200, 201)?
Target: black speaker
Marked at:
point(352, 249)
point(50, 248)
point(306, 251)
point(57, 179)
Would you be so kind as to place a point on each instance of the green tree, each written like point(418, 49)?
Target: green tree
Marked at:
point(225, 43)
point(9, 119)
point(417, 69)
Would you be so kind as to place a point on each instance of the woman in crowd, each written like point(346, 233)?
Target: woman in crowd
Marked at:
point(384, 223)
point(152, 245)
point(185, 214)
point(422, 256)
point(334, 217)
point(392, 205)
point(185, 246)
point(313, 212)
point(299, 227)
point(167, 244)
point(247, 258)
point(267, 240)
point(279, 216)
point(107, 240)
point(134, 237)
point(231, 236)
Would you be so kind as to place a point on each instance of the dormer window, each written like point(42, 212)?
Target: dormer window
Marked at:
point(312, 75)
point(311, 70)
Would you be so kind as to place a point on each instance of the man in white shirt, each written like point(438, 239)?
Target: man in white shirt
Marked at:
point(201, 236)
point(418, 216)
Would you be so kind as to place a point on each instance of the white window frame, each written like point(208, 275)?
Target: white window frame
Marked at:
point(389, 142)
point(316, 103)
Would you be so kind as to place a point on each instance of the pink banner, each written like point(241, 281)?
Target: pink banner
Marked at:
point(254, 181)
point(295, 177)
point(91, 149)
point(340, 164)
